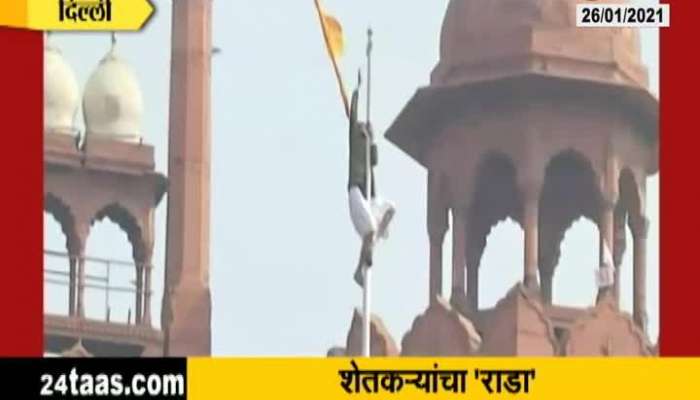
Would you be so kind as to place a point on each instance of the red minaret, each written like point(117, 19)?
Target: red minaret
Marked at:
point(187, 301)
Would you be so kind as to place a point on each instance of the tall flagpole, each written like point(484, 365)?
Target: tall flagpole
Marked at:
point(366, 312)
point(369, 72)
point(367, 282)
point(338, 77)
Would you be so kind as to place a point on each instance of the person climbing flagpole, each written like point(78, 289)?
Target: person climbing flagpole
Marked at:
point(370, 215)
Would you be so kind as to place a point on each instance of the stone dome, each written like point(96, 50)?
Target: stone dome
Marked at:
point(112, 102)
point(61, 92)
point(484, 40)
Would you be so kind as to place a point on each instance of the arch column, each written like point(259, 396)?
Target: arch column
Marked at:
point(546, 279)
point(620, 244)
point(606, 219)
point(139, 293)
point(438, 223)
point(436, 242)
point(472, 259)
point(148, 271)
point(147, 290)
point(76, 252)
point(531, 196)
point(144, 269)
point(139, 265)
point(606, 228)
point(640, 230)
point(459, 256)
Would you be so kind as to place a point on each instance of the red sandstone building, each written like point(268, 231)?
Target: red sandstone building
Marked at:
point(530, 118)
point(526, 117)
point(109, 172)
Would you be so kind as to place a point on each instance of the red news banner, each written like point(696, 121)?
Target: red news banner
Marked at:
point(21, 111)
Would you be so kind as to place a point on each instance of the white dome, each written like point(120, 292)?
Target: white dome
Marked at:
point(61, 93)
point(112, 102)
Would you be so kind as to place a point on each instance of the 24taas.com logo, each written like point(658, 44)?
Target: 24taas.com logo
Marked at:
point(87, 385)
point(85, 10)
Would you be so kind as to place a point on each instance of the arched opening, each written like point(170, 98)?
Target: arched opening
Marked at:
point(492, 227)
point(502, 262)
point(111, 274)
point(56, 268)
point(568, 235)
point(578, 262)
point(58, 226)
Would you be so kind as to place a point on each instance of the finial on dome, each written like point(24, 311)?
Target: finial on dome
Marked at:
point(112, 52)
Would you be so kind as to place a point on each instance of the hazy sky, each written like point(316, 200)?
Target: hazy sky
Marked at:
point(282, 246)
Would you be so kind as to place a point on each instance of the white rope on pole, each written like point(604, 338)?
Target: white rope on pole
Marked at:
point(367, 281)
point(366, 314)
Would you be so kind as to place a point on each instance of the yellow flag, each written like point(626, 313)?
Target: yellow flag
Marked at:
point(335, 44)
point(334, 35)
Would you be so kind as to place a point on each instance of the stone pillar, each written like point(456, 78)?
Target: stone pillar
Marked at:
point(148, 291)
point(436, 266)
point(186, 316)
point(472, 281)
point(144, 266)
point(606, 227)
point(546, 282)
point(619, 243)
point(438, 223)
point(80, 301)
point(139, 292)
point(552, 229)
point(74, 255)
point(147, 264)
point(459, 241)
point(606, 217)
point(77, 256)
point(640, 228)
point(531, 226)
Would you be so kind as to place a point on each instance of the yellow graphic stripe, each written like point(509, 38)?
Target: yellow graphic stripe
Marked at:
point(554, 378)
point(13, 13)
point(76, 15)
